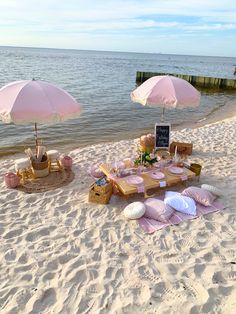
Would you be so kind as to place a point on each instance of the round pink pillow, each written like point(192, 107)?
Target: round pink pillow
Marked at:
point(158, 210)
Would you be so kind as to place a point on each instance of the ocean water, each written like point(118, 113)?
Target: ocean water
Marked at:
point(102, 82)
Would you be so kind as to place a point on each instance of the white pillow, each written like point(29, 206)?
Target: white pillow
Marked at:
point(183, 204)
point(170, 194)
point(211, 189)
point(134, 210)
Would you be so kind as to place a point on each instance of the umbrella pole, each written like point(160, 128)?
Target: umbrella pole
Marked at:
point(36, 137)
point(162, 115)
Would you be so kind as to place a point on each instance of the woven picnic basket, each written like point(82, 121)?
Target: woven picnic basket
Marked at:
point(40, 168)
point(100, 194)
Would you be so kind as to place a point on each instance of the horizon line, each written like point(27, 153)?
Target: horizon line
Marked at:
point(116, 51)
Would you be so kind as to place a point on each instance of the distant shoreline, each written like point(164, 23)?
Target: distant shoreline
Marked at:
point(117, 51)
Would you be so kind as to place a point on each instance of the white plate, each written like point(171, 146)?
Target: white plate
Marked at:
point(157, 175)
point(134, 180)
point(176, 170)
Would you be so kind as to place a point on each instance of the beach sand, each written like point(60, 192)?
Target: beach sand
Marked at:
point(61, 254)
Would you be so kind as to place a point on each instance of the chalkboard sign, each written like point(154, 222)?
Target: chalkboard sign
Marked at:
point(162, 135)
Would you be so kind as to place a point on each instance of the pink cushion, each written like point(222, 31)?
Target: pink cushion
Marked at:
point(158, 210)
point(201, 196)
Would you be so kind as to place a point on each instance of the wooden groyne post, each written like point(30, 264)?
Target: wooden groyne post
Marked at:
point(200, 81)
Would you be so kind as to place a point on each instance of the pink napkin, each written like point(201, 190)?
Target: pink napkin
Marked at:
point(140, 188)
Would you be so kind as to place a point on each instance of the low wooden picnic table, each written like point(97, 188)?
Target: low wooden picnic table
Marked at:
point(148, 182)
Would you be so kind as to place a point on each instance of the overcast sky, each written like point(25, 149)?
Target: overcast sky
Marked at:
point(202, 27)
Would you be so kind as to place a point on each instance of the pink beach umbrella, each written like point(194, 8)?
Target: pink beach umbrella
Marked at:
point(34, 101)
point(166, 92)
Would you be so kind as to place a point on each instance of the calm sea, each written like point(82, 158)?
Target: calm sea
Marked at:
point(102, 82)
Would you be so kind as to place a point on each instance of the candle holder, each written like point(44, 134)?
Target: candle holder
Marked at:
point(176, 159)
point(11, 180)
point(67, 162)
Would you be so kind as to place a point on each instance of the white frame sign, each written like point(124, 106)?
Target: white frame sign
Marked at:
point(162, 135)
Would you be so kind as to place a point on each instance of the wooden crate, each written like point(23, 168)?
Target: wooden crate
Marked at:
point(102, 188)
point(100, 194)
point(182, 148)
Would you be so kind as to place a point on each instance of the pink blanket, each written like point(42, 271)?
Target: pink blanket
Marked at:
point(151, 225)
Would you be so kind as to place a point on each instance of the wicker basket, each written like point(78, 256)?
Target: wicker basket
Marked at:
point(196, 168)
point(102, 188)
point(40, 169)
point(182, 148)
point(100, 194)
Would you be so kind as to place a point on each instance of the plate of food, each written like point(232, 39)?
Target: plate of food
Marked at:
point(134, 180)
point(176, 170)
point(158, 175)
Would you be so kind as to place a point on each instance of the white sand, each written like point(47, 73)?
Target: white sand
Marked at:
point(60, 254)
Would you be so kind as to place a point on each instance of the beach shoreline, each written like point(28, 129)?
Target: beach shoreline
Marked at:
point(60, 253)
point(224, 112)
point(108, 113)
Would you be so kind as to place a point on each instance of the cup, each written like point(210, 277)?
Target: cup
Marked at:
point(162, 164)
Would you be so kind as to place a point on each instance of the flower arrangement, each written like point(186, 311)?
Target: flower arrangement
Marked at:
point(147, 143)
point(146, 159)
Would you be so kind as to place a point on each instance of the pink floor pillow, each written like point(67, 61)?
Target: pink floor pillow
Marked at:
point(201, 196)
point(158, 210)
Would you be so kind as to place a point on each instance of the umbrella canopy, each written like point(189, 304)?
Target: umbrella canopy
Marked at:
point(25, 102)
point(167, 92)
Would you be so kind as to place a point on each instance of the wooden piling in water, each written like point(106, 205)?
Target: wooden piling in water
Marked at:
point(200, 81)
